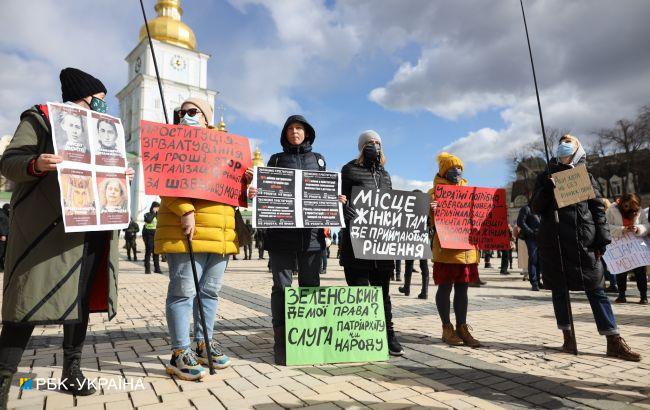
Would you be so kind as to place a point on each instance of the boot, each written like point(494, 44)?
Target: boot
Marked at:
point(569, 345)
point(75, 381)
point(394, 347)
point(279, 346)
point(406, 289)
point(449, 336)
point(424, 294)
point(463, 332)
point(616, 347)
point(5, 385)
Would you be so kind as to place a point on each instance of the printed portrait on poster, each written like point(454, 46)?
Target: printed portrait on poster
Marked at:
point(70, 130)
point(108, 139)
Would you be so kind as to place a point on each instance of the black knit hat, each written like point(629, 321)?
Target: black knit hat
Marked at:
point(76, 85)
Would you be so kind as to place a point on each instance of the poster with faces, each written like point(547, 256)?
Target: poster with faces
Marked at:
point(95, 194)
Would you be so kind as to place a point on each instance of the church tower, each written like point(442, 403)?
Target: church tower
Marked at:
point(184, 74)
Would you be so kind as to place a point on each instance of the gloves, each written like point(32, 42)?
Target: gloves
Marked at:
point(348, 212)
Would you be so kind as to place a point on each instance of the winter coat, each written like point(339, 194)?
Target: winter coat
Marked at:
point(615, 220)
point(528, 223)
point(353, 175)
point(452, 256)
point(582, 230)
point(214, 231)
point(296, 157)
point(43, 266)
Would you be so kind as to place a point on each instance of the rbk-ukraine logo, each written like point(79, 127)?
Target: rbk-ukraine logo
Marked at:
point(25, 383)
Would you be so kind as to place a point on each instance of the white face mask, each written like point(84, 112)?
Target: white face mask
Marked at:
point(190, 121)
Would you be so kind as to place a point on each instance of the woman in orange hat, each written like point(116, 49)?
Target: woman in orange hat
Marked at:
point(452, 268)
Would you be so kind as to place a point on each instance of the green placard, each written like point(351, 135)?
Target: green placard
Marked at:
point(335, 324)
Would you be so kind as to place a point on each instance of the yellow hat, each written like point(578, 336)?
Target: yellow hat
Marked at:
point(446, 161)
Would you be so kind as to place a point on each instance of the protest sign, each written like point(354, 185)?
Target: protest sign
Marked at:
point(194, 162)
point(92, 180)
point(626, 253)
point(389, 224)
point(335, 324)
point(572, 186)
point(293, 198)
point(471, 218)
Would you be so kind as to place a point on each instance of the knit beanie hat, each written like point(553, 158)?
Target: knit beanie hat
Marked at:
point(77, 85)
point(446, 161)
point(367, 136)
point(204, 106)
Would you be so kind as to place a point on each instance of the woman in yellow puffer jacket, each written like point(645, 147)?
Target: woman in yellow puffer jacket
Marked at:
point(211, 226)
point(452, 268)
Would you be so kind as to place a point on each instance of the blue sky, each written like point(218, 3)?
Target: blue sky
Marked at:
point(427, 75)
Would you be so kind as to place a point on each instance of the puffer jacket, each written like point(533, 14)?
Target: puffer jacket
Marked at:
point(582, 230)
point(353, 175)
point(296, 157)
point(440, 254)
point(214, 232)
point(615, 221)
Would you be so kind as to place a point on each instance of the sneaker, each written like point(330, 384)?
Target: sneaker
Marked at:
point(219, 360)
point(185, 365)
point(394, 348)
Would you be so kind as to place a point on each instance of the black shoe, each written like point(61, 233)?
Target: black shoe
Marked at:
point(535, 288)
point(611, 289)
point(398, 278)
point(394, 348)
point(279, 346)
point(73, 380)
point(5, 385)
point(129, 258)
point(505, 272)
point(403, 289)
point(157, 271)
point(423, 296)
point(147, 272)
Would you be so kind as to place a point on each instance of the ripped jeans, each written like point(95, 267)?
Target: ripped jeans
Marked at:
point(181, 295)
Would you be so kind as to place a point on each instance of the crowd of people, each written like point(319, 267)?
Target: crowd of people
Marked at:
point(53, 277)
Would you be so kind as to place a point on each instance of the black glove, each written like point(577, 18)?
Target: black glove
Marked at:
point(348, 212)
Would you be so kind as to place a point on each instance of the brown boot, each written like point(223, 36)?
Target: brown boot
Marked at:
point(616, 347)
point(449, 336)
point(569, 345)
point(463, 332)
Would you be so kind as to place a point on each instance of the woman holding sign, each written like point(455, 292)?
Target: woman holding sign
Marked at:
point(583, 234)
point(367, 171)
point(52, 277)
point(211, 228)
point(452, 268)
point(626, 216)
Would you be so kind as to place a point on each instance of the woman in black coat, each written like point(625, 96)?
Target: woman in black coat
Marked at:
point(584, 234)
point(367, 171)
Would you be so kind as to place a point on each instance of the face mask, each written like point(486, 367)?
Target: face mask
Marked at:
point(454, 175)
point(565, 149)
point(190, 121)
point(98, 105)
point(372, 152)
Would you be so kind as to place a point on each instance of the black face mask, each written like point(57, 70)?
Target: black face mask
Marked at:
point(372, 153)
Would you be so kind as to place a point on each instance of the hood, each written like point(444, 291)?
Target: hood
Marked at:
point(310, 134)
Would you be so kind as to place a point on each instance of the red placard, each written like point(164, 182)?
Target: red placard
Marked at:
point(472, 218)
point(193, 162)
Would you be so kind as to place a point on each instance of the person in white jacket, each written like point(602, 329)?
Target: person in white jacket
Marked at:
point(626, 216)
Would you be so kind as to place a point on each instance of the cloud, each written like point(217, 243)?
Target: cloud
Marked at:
point(589, 65)
point(406, 184)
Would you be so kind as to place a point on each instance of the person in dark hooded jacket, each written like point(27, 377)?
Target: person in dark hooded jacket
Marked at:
point(293, 247)
point(367, 171)
point(583, 234)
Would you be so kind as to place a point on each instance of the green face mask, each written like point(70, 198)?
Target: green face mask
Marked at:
point(98, 105)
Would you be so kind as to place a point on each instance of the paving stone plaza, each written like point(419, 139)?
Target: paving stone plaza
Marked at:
point(520, 366)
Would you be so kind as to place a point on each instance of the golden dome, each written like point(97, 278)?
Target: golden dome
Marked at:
point(168, 26)
point(221, 125)
point(257, 158)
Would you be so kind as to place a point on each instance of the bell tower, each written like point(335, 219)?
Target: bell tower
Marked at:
point(184, 74)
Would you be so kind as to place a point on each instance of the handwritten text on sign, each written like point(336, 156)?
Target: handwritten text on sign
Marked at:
point(335, 325)
point(471, 218)
point(627, 253)
point(572, 186)
point(390, 225)
point(193, 162)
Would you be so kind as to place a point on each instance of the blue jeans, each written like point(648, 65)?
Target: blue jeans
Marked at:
point(533, 261)
point(600, 306)
point(181, 295)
